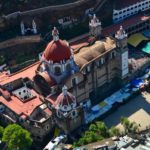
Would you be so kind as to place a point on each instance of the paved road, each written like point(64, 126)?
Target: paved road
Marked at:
point(139, 102)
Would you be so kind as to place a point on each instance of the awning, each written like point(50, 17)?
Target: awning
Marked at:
point(135, 39)
point(146, 49)
point(146, 33)
point(137, 83)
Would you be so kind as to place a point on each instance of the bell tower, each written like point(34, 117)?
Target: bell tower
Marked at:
point(95, 26)
point(122, 53)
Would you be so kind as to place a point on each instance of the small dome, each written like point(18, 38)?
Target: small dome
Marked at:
point(57, 51)
point(65, 101)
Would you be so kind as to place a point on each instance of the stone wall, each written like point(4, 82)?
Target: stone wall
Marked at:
point(21, 46)
point(48, 15)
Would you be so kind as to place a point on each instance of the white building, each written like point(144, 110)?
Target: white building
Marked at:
point(126, 8)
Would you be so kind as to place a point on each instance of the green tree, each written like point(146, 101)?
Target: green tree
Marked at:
point(96, 132)
point(16, 137)
point(102, 129)
point(129, 127)
point(1, 132)
point(2, 59)
point(114, 131)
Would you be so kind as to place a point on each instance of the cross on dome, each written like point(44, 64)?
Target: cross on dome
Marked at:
point(121, 34)
point(55, 34)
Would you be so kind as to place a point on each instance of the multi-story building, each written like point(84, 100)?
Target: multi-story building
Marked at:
point(20, 103)
point(52, 91)
point(127, 8)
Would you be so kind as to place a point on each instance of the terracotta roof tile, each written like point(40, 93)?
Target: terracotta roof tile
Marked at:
point(19, 107)
point(126, 23)
point(57, 51)
point(80, 43)
point(26, 72)
point(48, 111)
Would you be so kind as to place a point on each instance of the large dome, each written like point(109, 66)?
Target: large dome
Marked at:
point(57, 51)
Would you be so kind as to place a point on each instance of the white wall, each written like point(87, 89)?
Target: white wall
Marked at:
point(23, 92)
point(124, 67)
point(119, 15)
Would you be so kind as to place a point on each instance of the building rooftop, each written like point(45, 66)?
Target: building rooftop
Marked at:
point(21, 108)
point(88, 53)
point(23, 105)
point(26, 72)
point(126, 23)
point(122, 4)
point(107, 142)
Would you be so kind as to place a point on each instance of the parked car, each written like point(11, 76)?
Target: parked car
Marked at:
point(53, 143)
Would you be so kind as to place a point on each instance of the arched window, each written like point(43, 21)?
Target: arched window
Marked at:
point(57, 70)
point(74, 114)
point(58, 114)
point(68, 67)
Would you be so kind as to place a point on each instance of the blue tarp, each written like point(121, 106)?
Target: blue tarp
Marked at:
point(146, 33)
point(137, 83)
point(95, 109)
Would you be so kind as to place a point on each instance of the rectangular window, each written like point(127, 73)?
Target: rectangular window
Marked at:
point(102, 61)
point(88, 68)
point(74, 81)
point(112, 55)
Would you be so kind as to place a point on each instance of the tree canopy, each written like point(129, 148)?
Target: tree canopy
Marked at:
point(129, 127)
point(114, 131)
point(96, 132)
point(16, 138)
point(1, 132)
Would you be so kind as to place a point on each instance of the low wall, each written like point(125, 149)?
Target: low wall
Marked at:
point(48, 14)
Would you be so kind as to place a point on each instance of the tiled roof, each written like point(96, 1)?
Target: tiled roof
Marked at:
point(47, 110)
point(126, 23)
point(120, 4)
point(26, 72)
point(22, 108)
point(80, 43)
point(57, 51)
point(14, 103)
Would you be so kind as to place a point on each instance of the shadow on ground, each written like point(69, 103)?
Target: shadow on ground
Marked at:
point(128, 109)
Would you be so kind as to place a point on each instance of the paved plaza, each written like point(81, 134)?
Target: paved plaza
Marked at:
point(137, 109)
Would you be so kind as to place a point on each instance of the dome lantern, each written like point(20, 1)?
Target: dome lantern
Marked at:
point(64, 90)
point(55, 34)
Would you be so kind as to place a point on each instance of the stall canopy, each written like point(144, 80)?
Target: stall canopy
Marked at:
point(146, 33)
point(135, 39)
point(137, 83)
point(146, 49)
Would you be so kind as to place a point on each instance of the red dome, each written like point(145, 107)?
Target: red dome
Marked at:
point(57, 51)
point(67, 99)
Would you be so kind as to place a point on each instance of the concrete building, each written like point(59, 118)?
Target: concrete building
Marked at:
point(125, 9)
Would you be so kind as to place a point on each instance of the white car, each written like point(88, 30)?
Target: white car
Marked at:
point(53, 143)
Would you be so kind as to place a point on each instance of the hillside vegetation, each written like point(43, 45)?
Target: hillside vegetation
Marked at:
point(10, 6)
